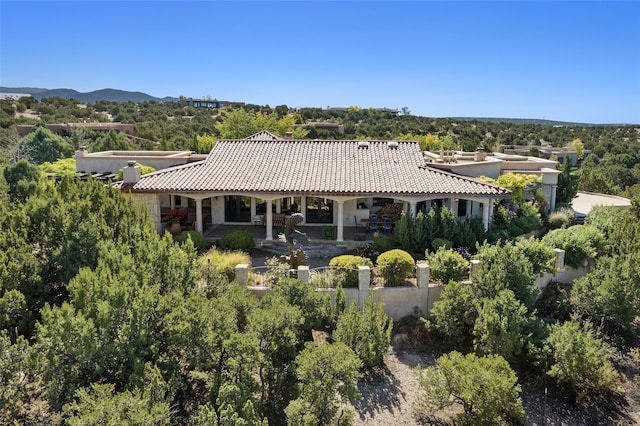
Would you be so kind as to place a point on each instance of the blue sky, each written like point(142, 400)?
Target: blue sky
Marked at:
point(569, 61)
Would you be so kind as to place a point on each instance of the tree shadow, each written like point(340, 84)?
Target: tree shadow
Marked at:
point(380, 391)
point(559, 406)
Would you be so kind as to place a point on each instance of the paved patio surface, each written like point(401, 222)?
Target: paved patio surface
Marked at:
point(319, 249)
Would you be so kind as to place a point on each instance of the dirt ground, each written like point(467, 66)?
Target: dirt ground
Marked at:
point(391, 393)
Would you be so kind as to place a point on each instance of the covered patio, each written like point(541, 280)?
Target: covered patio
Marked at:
point(258, 182)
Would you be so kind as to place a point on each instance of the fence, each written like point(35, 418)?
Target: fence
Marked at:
point(410, 300)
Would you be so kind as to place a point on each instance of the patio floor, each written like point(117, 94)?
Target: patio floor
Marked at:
point(319, 249)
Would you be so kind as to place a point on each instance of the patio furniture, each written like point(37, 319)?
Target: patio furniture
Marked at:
point(181, 215)
point(387, 224)
point(373, 223)
point(170, 214)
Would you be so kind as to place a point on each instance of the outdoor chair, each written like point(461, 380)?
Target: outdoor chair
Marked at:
point(373, 223)
point(387, 224)
point(181, 216)
point(168, 216)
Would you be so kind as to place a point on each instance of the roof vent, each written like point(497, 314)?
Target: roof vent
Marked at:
point(392, 145)
point(363, 145)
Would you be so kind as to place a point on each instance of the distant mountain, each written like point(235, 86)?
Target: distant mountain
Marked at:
point(111, 95)
point(537, 121)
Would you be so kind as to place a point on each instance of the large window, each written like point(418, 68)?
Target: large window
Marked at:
point(237, 209)
point(319, 210)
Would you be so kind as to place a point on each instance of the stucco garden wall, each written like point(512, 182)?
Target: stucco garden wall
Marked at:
point(415, 300)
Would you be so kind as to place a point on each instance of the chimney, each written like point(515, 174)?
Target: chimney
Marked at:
point(131, 173)
point(81, 152)
point(288, 136)
point(479, 155)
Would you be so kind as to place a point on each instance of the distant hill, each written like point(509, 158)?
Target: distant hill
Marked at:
point(111, 95)
point(114, 95)
point(540, 122)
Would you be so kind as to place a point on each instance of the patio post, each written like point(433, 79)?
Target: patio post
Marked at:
point(364, 281)
point(172, 201)
point(340, 236)
point(486, 211)
point(199, 214)
point(413, 208)
point(269, 221)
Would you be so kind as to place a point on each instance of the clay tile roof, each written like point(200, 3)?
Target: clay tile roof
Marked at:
point(335, 167)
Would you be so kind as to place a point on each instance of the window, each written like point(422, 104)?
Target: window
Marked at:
point(319, 210)
point(462, 208)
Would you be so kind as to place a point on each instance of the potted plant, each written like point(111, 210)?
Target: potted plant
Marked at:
point(329, 232)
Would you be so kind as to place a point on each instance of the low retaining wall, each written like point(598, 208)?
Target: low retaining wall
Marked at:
point(410, 300)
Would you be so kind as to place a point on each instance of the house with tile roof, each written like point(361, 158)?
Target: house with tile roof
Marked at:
point(331, 182)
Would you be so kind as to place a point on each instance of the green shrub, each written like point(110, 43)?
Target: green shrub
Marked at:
point(366, 330)
point(454, 314)
point(196, 238)
point(349, 265)
point(527, 223)
point(486, 387)
point(224, 261)
point(500, 326)
point(494, 235)
point(514, 230)
point(540, 255)
point(505, 267)
point(238, 239)
point(580, 243)
point(446, 265)
point(384, 243)
point(395, 266)
point(441, 242)
point(580, 359)
point(561, 218)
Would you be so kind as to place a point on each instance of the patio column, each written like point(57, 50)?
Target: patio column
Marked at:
point(413, 208)
point(552, 201)
point(211, 201)
point(172, 201)
point(469, 211)
point(485, 215)
point(303, 208)
point(269, 221)
point(253, 207)
point(340, 236)
point(198, 215)
point(279, 205)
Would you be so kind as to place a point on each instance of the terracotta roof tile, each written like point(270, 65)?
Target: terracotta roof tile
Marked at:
point(335, 167)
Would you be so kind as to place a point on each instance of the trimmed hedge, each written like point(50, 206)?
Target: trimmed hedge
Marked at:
point(446, 265)
point(395, 266)
point(348, 265)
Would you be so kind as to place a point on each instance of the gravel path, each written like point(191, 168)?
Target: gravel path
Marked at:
point(389, 393)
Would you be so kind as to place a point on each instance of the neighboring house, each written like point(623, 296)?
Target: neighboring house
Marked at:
point(207, 103)
point(548, 151)
point(336, 182)
point(106, 162)
point(494, 164)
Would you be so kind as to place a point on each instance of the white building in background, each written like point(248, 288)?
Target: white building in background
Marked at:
point(492, 165)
